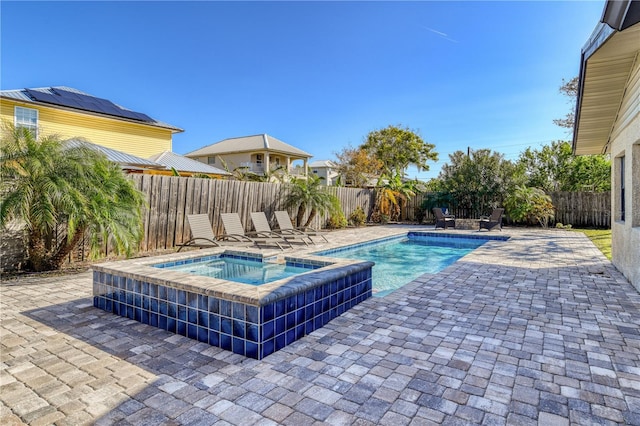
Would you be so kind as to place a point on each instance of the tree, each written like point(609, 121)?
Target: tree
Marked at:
point(397, 148)
point(555, 168)
point(356, 166)
point(69, 189)
point(570, 89)
point(391, 193)
point(478, 182)
point(309, 194)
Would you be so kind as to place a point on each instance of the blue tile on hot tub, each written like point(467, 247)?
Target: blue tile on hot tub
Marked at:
point(192, 331)
point(280, 308)
point(153, 320)
point(163, 308)
point(162, 292)
point(291, 303)
point(172, 325)
point(182, 297)
point(268, 330)
point(214, 305)
point(214, 322)
point(203, 302)
point(214, 338)
point(203, 319)
point(253, 314)
point(226, 325)
point(238, 346)
point(268, 346)
point(238, 310)
point(299, 316)
point(225, 341)
point(162, 322)
point(145, 302)
point(172, 295)
point(192, 300)
point(299, 331)
point(253, 332)
point(281, 325)
point(290, 336)
point(130, 313)
point(291, 320)
point(181, 328)
point(239, 328)
point(225, 308)
point(268, 312)
point(252, 350)
point(281, 342)
point(173, 310)
point(192, 315)
point(145, 317)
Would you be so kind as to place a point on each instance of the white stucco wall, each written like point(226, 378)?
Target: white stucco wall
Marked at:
point(625, 248)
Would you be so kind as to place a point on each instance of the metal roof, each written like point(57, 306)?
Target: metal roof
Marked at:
point(116, 156)
point(323, 163)
point(608, 58)
point(23, 96)
point(254, 143)
point(184, 164)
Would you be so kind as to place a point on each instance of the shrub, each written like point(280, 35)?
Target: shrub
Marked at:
point(358, 217)
point(337, 220)
point(531, 205)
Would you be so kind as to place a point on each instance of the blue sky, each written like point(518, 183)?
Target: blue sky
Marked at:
point(317, 75)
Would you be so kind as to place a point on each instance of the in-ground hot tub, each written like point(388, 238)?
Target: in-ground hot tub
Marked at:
point(253, 320)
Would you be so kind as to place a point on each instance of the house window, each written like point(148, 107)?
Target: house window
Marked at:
point(28, 118)
point(619, 188)
point(259, 158)
point(211, 160)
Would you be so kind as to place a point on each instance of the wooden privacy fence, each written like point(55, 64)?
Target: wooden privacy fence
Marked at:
point(172, 198)
point(583, 209)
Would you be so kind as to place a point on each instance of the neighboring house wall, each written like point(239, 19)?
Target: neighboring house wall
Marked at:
point(248, 159)
point(137, 139)
point(625, 145)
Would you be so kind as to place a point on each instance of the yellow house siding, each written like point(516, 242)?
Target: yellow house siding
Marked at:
point(133, 138)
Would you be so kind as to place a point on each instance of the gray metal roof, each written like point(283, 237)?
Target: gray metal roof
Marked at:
point(323, 163)
point(21, 95)
point(184, 164)
point(116, 156)
point(252, 143)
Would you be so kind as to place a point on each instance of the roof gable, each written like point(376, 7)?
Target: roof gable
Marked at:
point(252, 143)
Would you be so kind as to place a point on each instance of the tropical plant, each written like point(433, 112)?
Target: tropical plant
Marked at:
point(63, 189)
point(309, 195)
point(336, 219)
point(531, 205)
point(391, 195)
point(358, 217)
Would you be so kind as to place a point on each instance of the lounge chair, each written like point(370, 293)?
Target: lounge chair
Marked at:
point(490, 222)
point(442, 220)
point(234, 231)
point(261, 225)
point(201, 233)
point(286, 227)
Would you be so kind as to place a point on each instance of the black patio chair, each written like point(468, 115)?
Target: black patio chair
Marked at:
point(442, 220)
point(490, 222)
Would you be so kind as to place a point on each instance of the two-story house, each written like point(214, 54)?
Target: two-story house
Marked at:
point(71, 113)
point(257, 154)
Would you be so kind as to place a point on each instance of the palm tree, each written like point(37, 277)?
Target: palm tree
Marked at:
point(67, 190)
point(309, 194)
point(391, 193)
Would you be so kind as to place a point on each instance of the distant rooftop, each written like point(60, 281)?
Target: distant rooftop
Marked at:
point(249, 144)
point(184, 164)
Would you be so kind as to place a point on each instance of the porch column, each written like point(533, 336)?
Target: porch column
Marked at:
point(305, 167)
point(266, 162)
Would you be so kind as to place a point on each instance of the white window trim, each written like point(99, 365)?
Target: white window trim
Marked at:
point(15, 118)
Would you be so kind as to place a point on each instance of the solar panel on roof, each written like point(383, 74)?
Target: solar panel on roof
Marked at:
point(85, 102)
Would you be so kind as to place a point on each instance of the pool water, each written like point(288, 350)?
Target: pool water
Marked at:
point(241, 271)
point(400, 261)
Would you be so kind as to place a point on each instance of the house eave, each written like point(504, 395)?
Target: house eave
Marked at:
point(606, 61)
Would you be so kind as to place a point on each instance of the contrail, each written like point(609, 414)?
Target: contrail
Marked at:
point(441, 34)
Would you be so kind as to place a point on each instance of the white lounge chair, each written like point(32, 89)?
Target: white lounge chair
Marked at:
point(285, 225)
point(234, 231)
point(201, 233)
point(261, 225)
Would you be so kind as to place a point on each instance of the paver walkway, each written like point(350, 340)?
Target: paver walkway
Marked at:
point(540, 329)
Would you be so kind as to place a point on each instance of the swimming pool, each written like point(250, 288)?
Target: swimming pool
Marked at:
point(400, 260)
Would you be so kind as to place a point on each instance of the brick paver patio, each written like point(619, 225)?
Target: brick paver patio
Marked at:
point(540, 329)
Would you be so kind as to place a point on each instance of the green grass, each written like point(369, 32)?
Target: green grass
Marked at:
point(600, 237)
